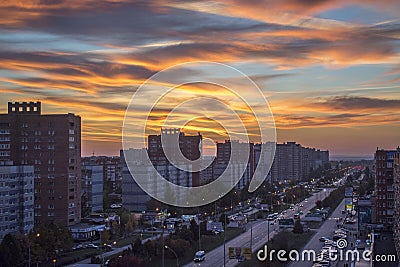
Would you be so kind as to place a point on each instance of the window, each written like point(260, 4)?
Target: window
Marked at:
point(4, 153)
point(71, 131)
point(71, 139)
point(38, 132)
point(4, 131)
point(4, 146)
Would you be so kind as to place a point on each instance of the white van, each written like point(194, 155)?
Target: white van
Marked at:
point(199, 256)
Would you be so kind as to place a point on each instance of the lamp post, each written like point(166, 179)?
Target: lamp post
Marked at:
point(176, 256)
point(164, 213)
point(54, 262)
point(29, 250)
point(224, 238)
point(251, 234)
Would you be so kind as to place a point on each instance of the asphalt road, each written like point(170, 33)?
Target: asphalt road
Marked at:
point(215, 257)
point(326, 230)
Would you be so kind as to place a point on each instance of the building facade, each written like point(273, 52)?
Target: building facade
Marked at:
point(16, 198)
point(52, 144)
point(190, 146)
point(396, 221)
point(92, 187)
point(295, 162)
point(384, 187)
point(134, 198)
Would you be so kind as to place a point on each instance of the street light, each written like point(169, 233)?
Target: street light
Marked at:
point(54, 262)
point(29, 250)
point(176, 256)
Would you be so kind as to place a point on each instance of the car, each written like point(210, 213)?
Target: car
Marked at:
point(199, 256)
point(271, 223)
point(78, 246)
point(323, 239)
point(108, 247)
point(151, 229)
point(91, 246)
point(301, 205)
point(325, 263)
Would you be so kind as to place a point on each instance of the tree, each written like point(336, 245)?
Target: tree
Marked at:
point(10, 252)
point(47, 240)
point(104, 236)
point(127, 260)
point(194, 228)
point(137, 247)
point(223, 218)
point(318, 204)
point(298, 227)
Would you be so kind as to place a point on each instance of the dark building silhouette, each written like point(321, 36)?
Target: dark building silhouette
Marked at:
point(52, 144)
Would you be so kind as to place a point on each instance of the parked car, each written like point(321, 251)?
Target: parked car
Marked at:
point(323, 239)
point(92, 246)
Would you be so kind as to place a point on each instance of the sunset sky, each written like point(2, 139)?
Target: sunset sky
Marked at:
point(329, 69)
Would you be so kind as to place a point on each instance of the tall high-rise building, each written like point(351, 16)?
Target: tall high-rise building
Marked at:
point(396, 222)
point(92, 187)
point(16, 203)
point(190, 146)
point(134, 198)
point(224, 157)
point(384, 187)
point(52, 144)
point(293, 161)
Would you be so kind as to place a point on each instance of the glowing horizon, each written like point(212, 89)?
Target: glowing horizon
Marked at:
point(329, 69)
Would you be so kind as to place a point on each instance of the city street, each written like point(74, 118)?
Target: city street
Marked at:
point(326, 230)
point(215, 257)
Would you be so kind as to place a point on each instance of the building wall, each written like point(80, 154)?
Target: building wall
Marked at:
point(396, 222)
point(52, 144)
point(92, 186)
point(292, 161)
point(16, 199)
point(384, 187)
point(133, 197)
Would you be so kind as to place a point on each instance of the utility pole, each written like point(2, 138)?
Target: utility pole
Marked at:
point(162, 237)
point(251, 235)
point(224, 240)
point(198, 209)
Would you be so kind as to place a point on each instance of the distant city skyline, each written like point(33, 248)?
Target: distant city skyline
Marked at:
point(329, 69)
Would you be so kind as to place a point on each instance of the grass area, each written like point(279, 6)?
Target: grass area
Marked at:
point(130, 239)
point(283, 240)
point(208, 243)
point(314, 225)
point(75, 256)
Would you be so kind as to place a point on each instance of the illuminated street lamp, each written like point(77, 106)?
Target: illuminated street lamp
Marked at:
point(176, 256)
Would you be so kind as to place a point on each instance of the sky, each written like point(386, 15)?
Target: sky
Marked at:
point(329, 69)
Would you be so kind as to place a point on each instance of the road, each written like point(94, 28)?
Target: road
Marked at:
point(326, 229)
point(215, 257)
